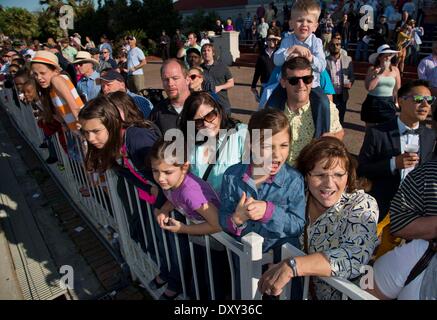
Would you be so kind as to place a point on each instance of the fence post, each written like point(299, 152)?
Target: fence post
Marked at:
point(251, 266)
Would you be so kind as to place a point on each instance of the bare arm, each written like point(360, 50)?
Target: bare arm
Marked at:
point(61, 88)
point(276, 278)
point(181, 53)
point(397, 84)
point(372, 78)
point(227, 85)
point(421, 228)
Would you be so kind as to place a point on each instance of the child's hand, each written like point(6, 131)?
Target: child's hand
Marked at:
point(255, 209)
point(161, 217)
point(173, 225)
point(240, 215)
point(299, 51)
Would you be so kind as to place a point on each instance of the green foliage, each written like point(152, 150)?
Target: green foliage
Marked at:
point(19, 23)
point(200, 20)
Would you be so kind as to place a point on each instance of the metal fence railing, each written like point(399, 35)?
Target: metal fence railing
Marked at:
point(227, 268)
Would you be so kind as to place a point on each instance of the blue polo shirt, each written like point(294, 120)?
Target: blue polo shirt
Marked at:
point(88, 87)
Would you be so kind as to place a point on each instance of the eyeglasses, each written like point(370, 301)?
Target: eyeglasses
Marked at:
point(209, 117)
point(323, 176)
point(419, 99)
point(295, 80)
point(105, 51)
point(194, 76)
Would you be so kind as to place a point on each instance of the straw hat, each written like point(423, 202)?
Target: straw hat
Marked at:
point(85, 56)
point(46, 57)
point(384, 49)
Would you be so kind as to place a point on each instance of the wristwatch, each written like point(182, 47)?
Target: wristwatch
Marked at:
point(292, 264)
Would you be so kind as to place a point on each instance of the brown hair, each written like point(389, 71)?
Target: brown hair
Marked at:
point(334, 151)
point(296, 63)
point(158, 153)
point(269, 118)
point(127, 105)
point(306, 6)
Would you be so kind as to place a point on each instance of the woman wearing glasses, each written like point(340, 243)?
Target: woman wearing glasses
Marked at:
point(214, 151)
point(340, 234)
point(382, 82)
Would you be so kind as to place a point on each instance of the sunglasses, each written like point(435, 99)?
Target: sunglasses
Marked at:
point(194, 76)
point(209, 117)
point(295, 80)
point(419, 99)
point(105, 51)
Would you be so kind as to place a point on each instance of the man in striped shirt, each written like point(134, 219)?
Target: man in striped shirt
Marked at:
point(413, 211)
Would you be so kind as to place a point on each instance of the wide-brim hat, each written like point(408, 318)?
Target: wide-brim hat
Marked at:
point(384, 49)
point(85, 56)
point(46, 57)
point(272, 36)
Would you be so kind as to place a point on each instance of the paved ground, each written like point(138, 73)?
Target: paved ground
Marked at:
point(243, 101)
point(38, 233)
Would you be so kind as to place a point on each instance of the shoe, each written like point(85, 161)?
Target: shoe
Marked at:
point(155, 285)
point(51, 160)
point(43, 145)
point(165, 296)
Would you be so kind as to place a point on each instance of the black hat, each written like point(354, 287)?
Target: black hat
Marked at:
point(193, 50)
point(94, 51)
point(111, 75)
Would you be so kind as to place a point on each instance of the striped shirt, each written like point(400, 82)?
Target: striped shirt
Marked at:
point(61, 106)
point(416, 197)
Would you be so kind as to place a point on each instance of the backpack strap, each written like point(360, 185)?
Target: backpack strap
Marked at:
point(423, 263)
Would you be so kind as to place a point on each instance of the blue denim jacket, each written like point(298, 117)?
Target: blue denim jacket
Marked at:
point(285, 196)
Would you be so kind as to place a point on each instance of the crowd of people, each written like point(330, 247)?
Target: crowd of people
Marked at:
point(285, 175)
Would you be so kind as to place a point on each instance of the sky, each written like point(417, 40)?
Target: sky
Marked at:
point(31, 5)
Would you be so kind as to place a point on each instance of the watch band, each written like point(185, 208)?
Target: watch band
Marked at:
point(292, 263)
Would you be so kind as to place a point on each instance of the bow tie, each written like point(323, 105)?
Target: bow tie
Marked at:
point(412, 131)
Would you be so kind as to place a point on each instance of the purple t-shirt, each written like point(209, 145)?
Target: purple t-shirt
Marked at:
point(191, 195)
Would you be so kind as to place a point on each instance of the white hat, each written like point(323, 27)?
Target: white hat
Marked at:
point(85, 56)
point(384, 49)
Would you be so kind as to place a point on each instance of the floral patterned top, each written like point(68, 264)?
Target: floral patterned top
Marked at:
point(346, 234)
point(302, 128)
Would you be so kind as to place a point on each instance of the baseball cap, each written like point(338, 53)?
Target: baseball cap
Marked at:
point(110, 75)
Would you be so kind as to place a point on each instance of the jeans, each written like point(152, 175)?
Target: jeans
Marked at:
point(340, 103)
point(361, 46)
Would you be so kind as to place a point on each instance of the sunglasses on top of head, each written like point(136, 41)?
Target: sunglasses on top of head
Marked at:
point(209, 117)
point(295, 80)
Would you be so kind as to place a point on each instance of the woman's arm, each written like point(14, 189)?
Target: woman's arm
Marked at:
point(372, 77)
point(397, 84)
point(276, 278)
point(61, 88)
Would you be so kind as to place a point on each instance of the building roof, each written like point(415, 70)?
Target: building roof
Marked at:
point(183, 5)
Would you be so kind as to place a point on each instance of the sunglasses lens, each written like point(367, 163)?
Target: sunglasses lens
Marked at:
point(307, 79)
point(293, 80)
point(193, 77)
point(211, 116)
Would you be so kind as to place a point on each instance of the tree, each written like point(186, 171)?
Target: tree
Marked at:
point(19, 23)
point(200, 21)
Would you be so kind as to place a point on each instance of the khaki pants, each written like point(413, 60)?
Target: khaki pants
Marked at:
point(135, 83)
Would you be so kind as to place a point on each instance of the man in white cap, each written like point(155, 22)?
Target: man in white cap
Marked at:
point(87, 85)
point(135, 62)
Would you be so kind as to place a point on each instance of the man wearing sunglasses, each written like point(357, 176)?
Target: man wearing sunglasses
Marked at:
point(393, 149)
point(86, 65)
point(307, 120)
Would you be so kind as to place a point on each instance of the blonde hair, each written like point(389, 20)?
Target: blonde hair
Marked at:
point(307, 6)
